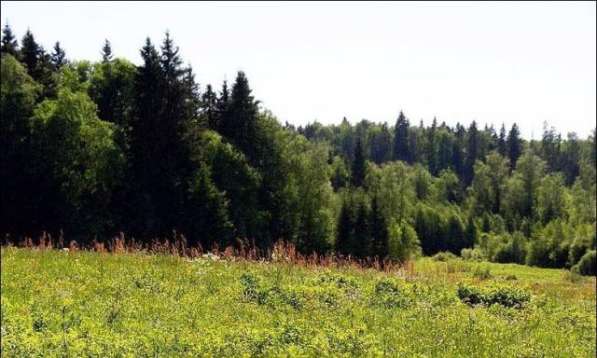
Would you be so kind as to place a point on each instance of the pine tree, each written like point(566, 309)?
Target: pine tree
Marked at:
point(401, 140)
point(106, 51)
point(58, 57)
point(358, 166)
point(9, 42)
point(379, 231)
point(501, 142)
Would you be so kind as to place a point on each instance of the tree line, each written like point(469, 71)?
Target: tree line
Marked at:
point(96, 148)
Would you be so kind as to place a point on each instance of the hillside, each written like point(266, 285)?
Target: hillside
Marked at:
point(58, 303)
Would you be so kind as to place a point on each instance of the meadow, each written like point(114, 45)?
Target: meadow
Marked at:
point(87, 304)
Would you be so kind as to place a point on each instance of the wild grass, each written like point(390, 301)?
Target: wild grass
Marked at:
point(141, 304)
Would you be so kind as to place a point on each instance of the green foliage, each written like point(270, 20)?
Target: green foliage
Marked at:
point(210, 223)
point(504, 295)
point(587, 264)
point(512, 250)
point(404, 243)
point(443, 256)
point(472, 254)
point(78, 156)
point(18, 95)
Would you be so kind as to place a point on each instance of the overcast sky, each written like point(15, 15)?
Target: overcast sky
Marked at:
point(490, 62)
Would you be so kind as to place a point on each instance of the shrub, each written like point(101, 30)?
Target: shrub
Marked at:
point(587, 265)
point(444, 256)
point(251, 291)
point(482, 273)
point(388, 293)
point(472, 254)
point(501, 295)
point(513, 250)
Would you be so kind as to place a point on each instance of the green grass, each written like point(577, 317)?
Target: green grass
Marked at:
point(135, 305)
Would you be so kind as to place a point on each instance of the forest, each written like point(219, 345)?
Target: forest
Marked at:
point(94, 149)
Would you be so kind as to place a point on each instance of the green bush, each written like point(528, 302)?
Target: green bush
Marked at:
point(501, 295)
point(444, 256)
point(482, 273)
point(391, 294)
point(472, 254)
point(587, 265)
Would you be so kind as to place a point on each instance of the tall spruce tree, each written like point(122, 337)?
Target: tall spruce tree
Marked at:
point(432, 150)
point(379, 231)
point(239, 123)
point(362, 231)
point(501, 142)
point(58, 57)
point(207, 221)
point(470, 233)
point(9, 42)
point(514, 145)
point(30, 54)
point(147, 147)
point(345, 230)
point(472, 152)
point(106, 51)
point(458, 152)
point(209, 102)
point(358, 166)
point(401, 140)
point(381, 145)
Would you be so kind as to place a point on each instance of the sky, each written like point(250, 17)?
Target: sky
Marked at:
point(495, 63)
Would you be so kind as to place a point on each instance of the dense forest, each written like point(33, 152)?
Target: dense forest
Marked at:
point(93, 149)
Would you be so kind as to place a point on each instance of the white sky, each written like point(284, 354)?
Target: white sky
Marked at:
point(491, 62)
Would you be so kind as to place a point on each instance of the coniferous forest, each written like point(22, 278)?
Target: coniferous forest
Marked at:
point(93, 149)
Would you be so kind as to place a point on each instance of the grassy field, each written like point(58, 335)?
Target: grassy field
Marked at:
point(89, 304)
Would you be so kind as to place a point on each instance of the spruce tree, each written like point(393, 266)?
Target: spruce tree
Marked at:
point(501, 142)
point(472, 152)
point(401, 141)
point(30, 53)
point(344, 230)
point(146, 141)
point(209, 108)
point(239, 123)
point(432, 155)
point(362, 231)
point(58, 57)
point(358, 166)
point(9, 42)
point(514, 145)
point(470, 234)
point(381, 145)
point(106, 52)
point(207, 221)
point(455, 237)
point(379, 231)
point(458, 152)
